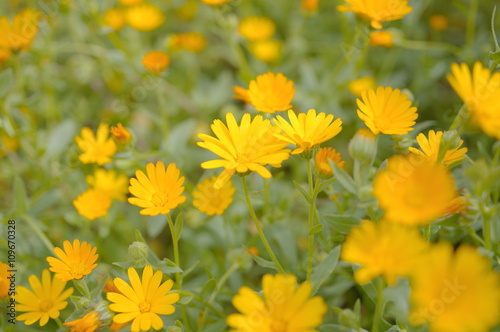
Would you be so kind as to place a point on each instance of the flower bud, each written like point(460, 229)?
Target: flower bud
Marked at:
point(138, 251)
point(362, 146)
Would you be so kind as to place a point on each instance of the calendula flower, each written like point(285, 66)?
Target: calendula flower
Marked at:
point(4, 282)
point(114, 18)
point(92, 204)
point(377, 11)
point(19, 35)
point(310, 5)
point(213, 201)
point(144, 17)
point(8, 144)
point(215, 2)
point(383, 249)
point(430, 148)
point(438, 22)
point(256, 28)
point(131, 2)
point(158, 192)
point(156, 61)
point(121, 134)
point(143, 300)
point(357, 87)
point(413, 190)
point(266, 50)
point(109, 183)
point(76, 261)
point(386, 111)
point(322, 160)
point(88, 323)
point(96, 148)
point(455, 291)
point(241, 94)
point(284, 307)
point(45, 301)
point(249, 146)
point(307, 130)
point(270, 93)
point(382, 38)
point(190, 41)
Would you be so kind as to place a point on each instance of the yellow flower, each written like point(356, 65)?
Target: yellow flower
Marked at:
point(142, 301)
point(386, 111)
point(144, 17)
point(382, 38)
point(96, 149)
point(357, 87)
point(322, 160)
point(284, 307)
point(430, 148)
point(4, 282)
point(256, 28)
point(215, 2)
point(88, 323)
point(156, 61)
point(190, 41)
point(20, 34)
point(310, 5)
point(92, 204)
point(438, 22)
point(8, 144)
point(114, 18)
point(307, 130)
point(455, 291)
point(241, 94)
point(45, 301)
point(383, 249)
point(213, 201)
point(270, 93)
point(457, 205)
point(131, 2)
point(76, 261)
point(377, 11)
point(121, 134)
point(247, 147)
point(266, 50)
point(413, 190)
point(159, 191)
point(109, 183)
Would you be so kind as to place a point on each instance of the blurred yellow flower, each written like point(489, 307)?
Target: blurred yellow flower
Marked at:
point(322, 160)
point(438, 22)
point(114, 18)
point(307, 130)
point(121, 134)
point(156, 61)
point(310, 5)
point(158, 192)
point(4, 282)
point(88, 323)
point(266, 50)
point(96, 149)
point(45, 301)
point(190, 41)
point(241, 94)
point(377, 11)
point(249, 146)
point(383, 249)
point(386, 111)
point(8, 144)
point(382, 38)
point(430, 148)
point(210, 200)
point(215, 2)
point(131, 2)
point(142, 301)
point(109, 183)
point(256, 28)
point(270, 93)
point(455, 291)
point(92, 204)
point(357, 87)
point(20, 34)
point(144, 17)
point(285, 307)
point(457, 205)
point(76, 261)
point(413, 190)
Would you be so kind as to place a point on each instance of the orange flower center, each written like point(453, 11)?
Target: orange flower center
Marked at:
point(45, 305)
point(76, 269)
point(144, 307)
point(160, 198)
point(278, 326)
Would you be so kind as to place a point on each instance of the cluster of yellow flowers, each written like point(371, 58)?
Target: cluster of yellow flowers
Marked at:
point(18, 35)
point(138, 14)
point(258, 30)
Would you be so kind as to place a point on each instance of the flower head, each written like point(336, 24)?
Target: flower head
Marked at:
point(191, 41)
point(114, 18)
point(413, 190)
point(20, 34)
point(156, 61)
point(241, 94)
point(383, 249)
point(96, 148)
point(143, 300)
point(121, 134)
point(322, 160)
point(4, 282)
point(158, 192)
point(109, 183)
point(455, 291)
point(387, 111)
point(256, 28)
point(249, 146)
point(308, 130)
point(45, 301)
point(357, 87)
point(310, 5)
point(210, 200)
point(92, 204)
point(438, 22)
point(378, 11)
point(284, 307)
point(131, 2)
point(266, 50)
point(430, 148)
point(382, 38)
point(76, 261)
point(144, 17)
point(270, 93)
point(215, 2)
point(88, 323)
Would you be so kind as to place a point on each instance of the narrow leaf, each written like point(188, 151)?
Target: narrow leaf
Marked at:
point(344, 179)
point(324, 269)
point(302, 191)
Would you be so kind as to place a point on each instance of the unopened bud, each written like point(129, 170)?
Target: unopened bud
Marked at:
point(138, 251)
point(362, 146)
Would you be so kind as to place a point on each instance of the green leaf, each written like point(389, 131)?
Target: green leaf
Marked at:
point(302, 191)
point(6, 81)
point(261, 261)
point(178, 226)
point(324, 184)
point(324, 269)
point(344, 179)
point(340, 223)
point(208, 288)
point(185, 299)
point(168, 267)
point(138, 236)
point(60, 137)
point(20, 195)
point(316, 229)
point(220, 326)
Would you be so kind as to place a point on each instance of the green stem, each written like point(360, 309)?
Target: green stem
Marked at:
point(427, 233)
point(312, 195)
point(461, 115)
point(379, 306)
point(82, 287)
point(428, 46)
point(58, 321)
point(39, 232)
point(486, 227)
point(471, 23)
point(259, 227)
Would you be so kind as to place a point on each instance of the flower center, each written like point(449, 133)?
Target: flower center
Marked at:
point(144, 307)
point(76, 269)
point(160, 198)
point(278, 326)
point(45, 305)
